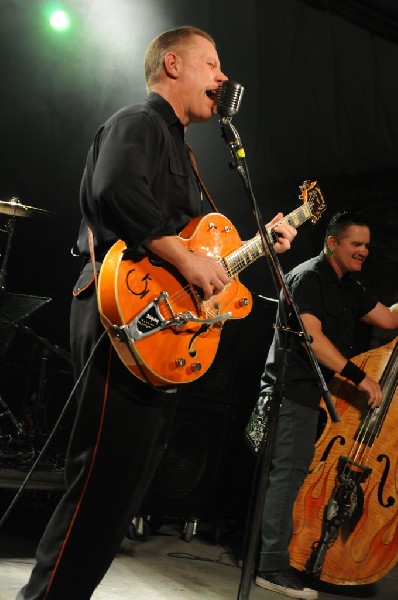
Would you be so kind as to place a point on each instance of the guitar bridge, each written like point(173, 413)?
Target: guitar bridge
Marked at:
point(150, 320)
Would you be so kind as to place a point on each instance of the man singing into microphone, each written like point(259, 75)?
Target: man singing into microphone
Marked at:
point(138, 186)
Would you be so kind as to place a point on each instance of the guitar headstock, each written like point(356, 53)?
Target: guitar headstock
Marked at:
point(312, 195)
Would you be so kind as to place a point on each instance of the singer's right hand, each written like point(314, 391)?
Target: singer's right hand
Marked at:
point(200, 270)
point(204, 272)
point(285, 232)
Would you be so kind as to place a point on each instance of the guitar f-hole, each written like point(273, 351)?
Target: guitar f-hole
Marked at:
point(193, 351)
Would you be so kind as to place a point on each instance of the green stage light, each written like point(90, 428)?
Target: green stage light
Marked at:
point(59, 20)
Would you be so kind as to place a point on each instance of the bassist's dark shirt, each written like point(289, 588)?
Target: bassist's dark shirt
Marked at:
point(338, 304)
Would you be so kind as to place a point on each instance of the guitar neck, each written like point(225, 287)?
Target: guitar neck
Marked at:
point(251, 250)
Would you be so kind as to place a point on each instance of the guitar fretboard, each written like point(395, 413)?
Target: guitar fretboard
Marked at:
point(242, 257)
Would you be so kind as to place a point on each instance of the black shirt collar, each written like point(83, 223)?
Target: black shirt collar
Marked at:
point(330, 273)
point(165, 109)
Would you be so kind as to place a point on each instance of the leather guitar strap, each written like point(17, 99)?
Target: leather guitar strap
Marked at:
point(90, 237)
point(202, 186)
point(92, 255)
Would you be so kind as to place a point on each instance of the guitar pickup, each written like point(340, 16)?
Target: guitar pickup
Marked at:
point(150, 320)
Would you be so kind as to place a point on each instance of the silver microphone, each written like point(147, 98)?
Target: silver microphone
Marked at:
point(228, 98)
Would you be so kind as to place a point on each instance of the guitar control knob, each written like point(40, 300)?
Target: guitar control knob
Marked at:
point(180, 362)
point(196, 366)
point(212, 226)
point(243, 301)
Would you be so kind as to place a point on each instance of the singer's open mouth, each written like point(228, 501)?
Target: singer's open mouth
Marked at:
point(211, 94)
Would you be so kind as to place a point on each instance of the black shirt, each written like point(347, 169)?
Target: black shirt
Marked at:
point(338, 304)
point(138, 181)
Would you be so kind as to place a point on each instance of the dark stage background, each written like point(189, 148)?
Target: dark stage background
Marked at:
point(320, 102)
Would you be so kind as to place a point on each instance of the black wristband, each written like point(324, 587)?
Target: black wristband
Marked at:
point(353, 373)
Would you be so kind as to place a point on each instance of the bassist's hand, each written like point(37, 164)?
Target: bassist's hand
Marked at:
point(373, 391)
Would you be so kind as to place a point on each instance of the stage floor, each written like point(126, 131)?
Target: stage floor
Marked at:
point(164, 566)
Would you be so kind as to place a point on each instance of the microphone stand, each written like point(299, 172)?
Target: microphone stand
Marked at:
point(231, 137)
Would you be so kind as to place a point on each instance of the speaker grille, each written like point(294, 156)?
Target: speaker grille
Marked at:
point(194, 466)
point(185, 461)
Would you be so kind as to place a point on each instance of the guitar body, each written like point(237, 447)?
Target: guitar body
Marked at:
point(178, 353)
point(161, 328)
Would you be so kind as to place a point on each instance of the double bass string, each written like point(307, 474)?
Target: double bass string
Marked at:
point(375, 417)
point(372, 423)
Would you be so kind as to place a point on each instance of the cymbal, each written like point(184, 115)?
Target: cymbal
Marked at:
point(15, 208)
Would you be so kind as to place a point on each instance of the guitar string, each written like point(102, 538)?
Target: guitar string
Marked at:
point(243, 256)
point(237, 261)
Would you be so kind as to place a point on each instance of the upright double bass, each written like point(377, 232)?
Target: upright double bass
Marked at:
point(346, 513)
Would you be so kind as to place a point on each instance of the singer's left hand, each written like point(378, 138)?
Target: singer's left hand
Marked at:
point(286, 234)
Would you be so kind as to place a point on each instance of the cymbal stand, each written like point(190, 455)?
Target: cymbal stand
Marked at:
point(10, 229)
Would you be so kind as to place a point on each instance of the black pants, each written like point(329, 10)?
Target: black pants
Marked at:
point(116, 444)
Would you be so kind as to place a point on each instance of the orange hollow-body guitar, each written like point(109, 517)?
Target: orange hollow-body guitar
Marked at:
point(159, 325)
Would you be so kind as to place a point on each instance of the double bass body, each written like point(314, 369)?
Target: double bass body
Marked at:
point(346, 513)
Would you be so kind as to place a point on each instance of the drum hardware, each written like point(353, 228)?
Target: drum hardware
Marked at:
point(16, 308)
point(14, 208)
point(6, 412)
point(10, 229)
point(36, 416)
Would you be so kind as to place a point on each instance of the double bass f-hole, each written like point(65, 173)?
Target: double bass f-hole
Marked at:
point(390, 500)
point(337, 439)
